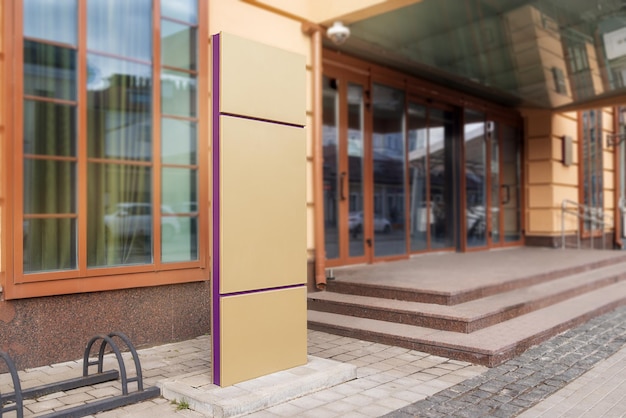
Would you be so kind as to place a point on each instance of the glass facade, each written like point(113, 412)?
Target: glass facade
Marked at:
point(117, 154)
point(389, 157)
point(437, 177)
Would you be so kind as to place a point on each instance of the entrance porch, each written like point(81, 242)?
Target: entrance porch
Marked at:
point(484, 307)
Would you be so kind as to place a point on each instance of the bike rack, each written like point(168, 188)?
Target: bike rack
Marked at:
point(15, 404)
point(126, 398)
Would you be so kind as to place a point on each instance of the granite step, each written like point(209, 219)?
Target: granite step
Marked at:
point(489, 346)
point(473, 315)
point(460, 294)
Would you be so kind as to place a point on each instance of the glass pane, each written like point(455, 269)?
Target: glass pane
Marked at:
point(179, 239)
point(475, 181)
point(51, 20)
point(49, 71)
point(185, 10)
point(389, 157)
point(441, 133)
point(179, 139)
point(178, 93)
point(178, 189)
point(498, 194)
point(511, 184)
point(355, 167)
point(120, 27)
point(49, 129)
point(49, 187)
point(119, 106)
point(49, 244)
point(119, 213)
point(420, 217)
point(178, 45)
point(330, 142)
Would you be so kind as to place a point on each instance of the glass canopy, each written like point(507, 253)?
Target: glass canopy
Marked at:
point(558, 54)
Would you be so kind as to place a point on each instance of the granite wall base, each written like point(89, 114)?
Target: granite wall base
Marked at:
point(47, 330)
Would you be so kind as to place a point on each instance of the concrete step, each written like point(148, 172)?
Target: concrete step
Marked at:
point(489, 346)
point(455, 294)
point(473, 315)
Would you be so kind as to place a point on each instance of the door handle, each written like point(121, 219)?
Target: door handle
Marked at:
point(342, 186)
point(507, 193)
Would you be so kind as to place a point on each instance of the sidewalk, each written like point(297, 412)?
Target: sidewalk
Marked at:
point(388, 378)
point(556, 378)
point(601, 392)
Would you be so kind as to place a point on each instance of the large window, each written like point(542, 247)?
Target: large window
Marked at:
point(591, 161)
point(109, 169)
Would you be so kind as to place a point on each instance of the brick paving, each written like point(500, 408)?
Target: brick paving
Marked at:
point(525, 381)
point(548, 380)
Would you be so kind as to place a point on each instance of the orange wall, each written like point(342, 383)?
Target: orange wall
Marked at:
point(548, 180)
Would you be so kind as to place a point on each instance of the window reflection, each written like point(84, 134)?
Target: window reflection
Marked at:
point(330, 145)
point(441, 173)
point(178, 93)
point(185, 10)
point(420, 216)
point(119, 100)
point(178, 141)
point(120, 27)
point(389, 156)
point(178, 45)
point(51, 20)
point(49, 71)
point(119, 213)
point(475, 180)
point(355, 169)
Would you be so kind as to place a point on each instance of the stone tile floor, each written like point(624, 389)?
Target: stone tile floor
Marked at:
point(548, 380)
point(388, 378)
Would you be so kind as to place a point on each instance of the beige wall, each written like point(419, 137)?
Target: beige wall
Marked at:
point(252, 22)
point(326, 11)
point(548, 180)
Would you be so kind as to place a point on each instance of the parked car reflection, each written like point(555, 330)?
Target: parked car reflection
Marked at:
point(135, 219)
point(355, 223)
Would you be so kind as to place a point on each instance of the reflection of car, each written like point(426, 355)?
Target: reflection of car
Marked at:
point(475, 221)
point(129, 219)
point(355, 223)
point(185, 207)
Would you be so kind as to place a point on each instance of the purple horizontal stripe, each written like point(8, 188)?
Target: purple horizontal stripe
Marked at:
point(275, 122)
point(247, 292)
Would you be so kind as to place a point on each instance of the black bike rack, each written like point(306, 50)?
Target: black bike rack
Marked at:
point(15, 399)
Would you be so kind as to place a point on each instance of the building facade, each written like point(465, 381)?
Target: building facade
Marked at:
point(436, 126)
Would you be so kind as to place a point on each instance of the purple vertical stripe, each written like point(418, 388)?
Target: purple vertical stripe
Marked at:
point(215, 294)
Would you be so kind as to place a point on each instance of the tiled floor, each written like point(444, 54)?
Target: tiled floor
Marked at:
point(388, 378)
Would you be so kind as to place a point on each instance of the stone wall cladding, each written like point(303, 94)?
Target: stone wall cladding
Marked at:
point(46, 330)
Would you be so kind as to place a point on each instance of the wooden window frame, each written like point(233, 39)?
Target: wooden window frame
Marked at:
point(15, 284)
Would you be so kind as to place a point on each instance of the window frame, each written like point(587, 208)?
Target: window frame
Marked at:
point(15, 283)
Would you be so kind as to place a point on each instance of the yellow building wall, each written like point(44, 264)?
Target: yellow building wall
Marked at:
point(248, 20)
point(548, 181)
point(324, 11)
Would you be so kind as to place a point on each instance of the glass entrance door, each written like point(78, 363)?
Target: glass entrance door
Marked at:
point(345, 219)
point(492, 182)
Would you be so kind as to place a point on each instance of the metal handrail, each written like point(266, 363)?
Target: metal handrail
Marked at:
point(595, 215)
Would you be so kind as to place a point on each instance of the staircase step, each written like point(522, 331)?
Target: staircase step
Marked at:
point(489, 346)
point(440, 285)
point(473, 315)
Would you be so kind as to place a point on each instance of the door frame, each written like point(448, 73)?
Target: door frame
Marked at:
point(345, 77)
